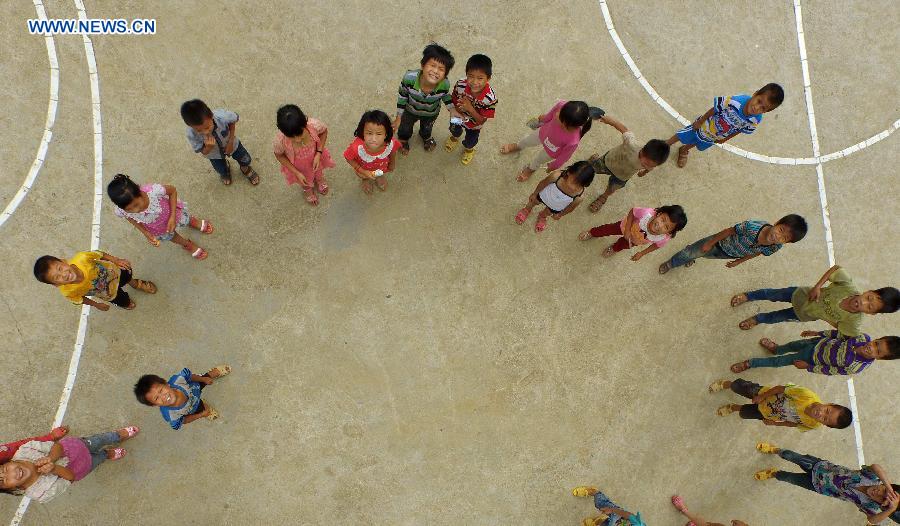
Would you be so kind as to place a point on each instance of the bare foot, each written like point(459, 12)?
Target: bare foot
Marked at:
point(739, 299)
point(509, 148)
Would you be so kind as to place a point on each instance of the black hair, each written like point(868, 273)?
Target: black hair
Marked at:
point(796, 224)
point(122, 190)
point(583, 172)
point(290, 120)
point(656, 150)
point(576, 114)
point(41, 266)
point(893, 345)
point(774, 92)
point(845, 417)
point(676, 215)
point(479, 62)
point(195, 111)
point(375, 117)
point(438, 53)
point(890, 299)
point(143, 385)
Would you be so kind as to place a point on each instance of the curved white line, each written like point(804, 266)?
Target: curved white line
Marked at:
point(52, 102)
point(816, 159)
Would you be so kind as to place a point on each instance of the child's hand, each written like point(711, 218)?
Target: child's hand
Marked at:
point(891, 500)
point(814, 294)
point(317, 159)
point(229, 147)
point(371, 174)
point(206, 380)
point(102, 306)
point(300, 177)
point(43, 461)
point(555, 216)
point(45, 469)
point(170, 224)
point(637, 256)
point(733, 263)
point(153, 241)
point(766, 421)
point(123, 263)
point(809, 334)
point(800, 364)
point(209, 140)
point(643, 172)
point(396, 123)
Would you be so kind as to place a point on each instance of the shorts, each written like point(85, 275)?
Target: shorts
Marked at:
point(688, 135)
point(184, 221)
point(600, 168)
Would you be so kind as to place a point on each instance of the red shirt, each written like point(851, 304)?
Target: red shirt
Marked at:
point(485, 103)
point(357, 152)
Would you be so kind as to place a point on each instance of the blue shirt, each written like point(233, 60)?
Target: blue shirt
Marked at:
point(182, 382)
point(743, 242)
point(728, 118)
point(221, 118)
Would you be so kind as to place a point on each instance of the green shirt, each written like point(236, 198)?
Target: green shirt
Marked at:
point(828, 305)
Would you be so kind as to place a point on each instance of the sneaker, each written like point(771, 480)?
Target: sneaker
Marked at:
point(467, 156)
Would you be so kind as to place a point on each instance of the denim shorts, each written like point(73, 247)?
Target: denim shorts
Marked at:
point(688, 135)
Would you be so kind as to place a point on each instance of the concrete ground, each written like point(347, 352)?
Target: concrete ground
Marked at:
point(415, 357)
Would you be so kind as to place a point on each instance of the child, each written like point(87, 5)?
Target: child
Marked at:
point(743, 242)
point(300, 148)
point(869, 488)
point(90, 278)
point(559, 133)
point(420, 96)
point(697, 520)
point(641, 226)
point(41, 470)
point(840, 304)
point(610, 513)
point(373, 152)
point(9, 449)
point(155, 210)
point(560, 193)
point(179, 398)
point(474, 102)
point(783, 405)
point(826, 353)
point(212, 134)
point(625, 160)
point(727, 117)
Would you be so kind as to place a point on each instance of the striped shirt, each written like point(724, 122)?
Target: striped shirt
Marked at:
point(743, 242)
point(835, 354)
point(485, 103)
point(411, 98)
point(728, 118)
point(182, 382)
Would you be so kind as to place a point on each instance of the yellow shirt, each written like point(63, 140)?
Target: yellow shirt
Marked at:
point(790, 406)
point(101, 278)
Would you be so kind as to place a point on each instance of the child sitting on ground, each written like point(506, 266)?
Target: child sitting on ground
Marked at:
point(826, 353)
point(697, 520)
point(560, 193)
point(728, 117)
point(179, 399)
point(300, 148)
point(9, 449)
point(783, 405)
point(611, 514)
point(41, 470)
point(474, 102)
point(641, 226)
point(212, 134)
point(742, 242)
point(90, 278)
point(625, 160)
point(840, 304)
point(373, 152)
point(420, 96)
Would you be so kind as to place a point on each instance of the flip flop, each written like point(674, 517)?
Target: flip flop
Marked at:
point(740, 367)
point(598, 203)
point(737, 300)
point(682, 157)
point(323, 188)
point(748, 324)
point(584, 491)
point(678, 502)
point(429, 144)
point(540, 224)
point(115, 453)
point(144, 286)
point(224, 370)
point(768, 345)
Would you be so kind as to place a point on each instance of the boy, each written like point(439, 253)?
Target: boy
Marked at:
point(212, 134)
point(728, 117)
point(742, 242)
point(840, 304)
point(474, 102)
point(610, 513)
point(625, 160)
point(783, 405)
point(90, 277)
point(420, 96)
point(179, 398)
point(826, 353)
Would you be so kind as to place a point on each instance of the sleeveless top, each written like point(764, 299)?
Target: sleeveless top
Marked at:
point(555, 199)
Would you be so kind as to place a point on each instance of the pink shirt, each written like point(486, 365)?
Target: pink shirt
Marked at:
point(156, 217)
point(558, 142)
point(78, 455)
point(643, 217)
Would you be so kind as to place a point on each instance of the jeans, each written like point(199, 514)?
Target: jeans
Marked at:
point(777, 316)
point(407, 120)
point(471, 135)
point(96, 443)
point(694, 251)
point(602, 501)
point(240, 154)
point(806, 463)
point(788, 353)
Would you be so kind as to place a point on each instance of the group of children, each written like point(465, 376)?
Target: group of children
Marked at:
point(43, 466)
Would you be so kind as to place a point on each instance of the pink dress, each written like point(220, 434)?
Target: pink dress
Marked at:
point(156, 216)
point(558, 142)
point(302, 158)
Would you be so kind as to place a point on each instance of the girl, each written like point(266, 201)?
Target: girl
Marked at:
point(155, 210)
point(697, 520)
point(374, 150)
point(42, 470)
point(300, 148)
point(560, 131)
point(560, 192)
point(641, 226)
point(9, 449)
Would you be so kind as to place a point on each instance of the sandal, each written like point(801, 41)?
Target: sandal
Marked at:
point(678, 502)
point(131, 305)
point(740, 367)
point(596, 520)
point(224, 370)
point(467, 157)
point(765, 474)
point(748, 324)
point(451, 143)
point(664, 267)
point(609, 252)
point(690, 263)
point(404, 147)
point(682, 157)
point(251, 175)
point(598, 203)
point(144, 286)
point(429, 144)
point(725, 410)
point(115, 453)
point(768, 344)
point(540, 224)
point(366, 186)
point(767, 448)
point(718, 385)
point(311, 197)
point(739, 299)
point(196, 252)
point(522, 215)
point(323, 187)
point(130, 431)
point(213, 414)
point(585, 235)
point(524, 174)
point(584, 491)
point(204, 226)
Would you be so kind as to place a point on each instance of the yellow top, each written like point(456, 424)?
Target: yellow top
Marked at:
point(101, 278)
point(791, 406)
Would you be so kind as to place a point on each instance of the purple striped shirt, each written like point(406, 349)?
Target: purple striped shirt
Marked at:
point(835, 354)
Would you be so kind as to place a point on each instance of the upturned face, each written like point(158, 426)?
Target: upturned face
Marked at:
point(827, 414)
point(433, 72)
point(138, 204)
point(874, 350)
point(13, 474)
point(477, 80)
point(661, 224)
point(869, 302)
point(205, 128)
point(162, 395)
point(760, 103)
point(62, 273)
point(778, 234)
point(374, 135)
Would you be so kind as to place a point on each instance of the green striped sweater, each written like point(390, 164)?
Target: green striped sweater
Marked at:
point(411, 98)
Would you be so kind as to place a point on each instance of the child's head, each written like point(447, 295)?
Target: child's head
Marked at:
point(436, 63)
point(880, 301)
point(576, 114)
point(54, 271)
point(653, 154)
point(831, 415)
point(766, 99)
point(375, 129)
point(582, 172)
point(884, 348)
point(198, 116)
point(878, 493)
point(789, 229)
point(14, 474)
point(152, 390)
point(290, 120)
point(478, 72)
point(126, 194)
point(669, 219)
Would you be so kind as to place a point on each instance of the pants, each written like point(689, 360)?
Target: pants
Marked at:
point(541, 157)
point(612, 229)
point(240, 154)
point(602, 501)
point(788, 353)
point(694, 251)
point(9, 449)
point(613, 184)
point(747, 390)
point(201, 406)
point(806, 463)
point(407, 120)
point(96, 443)
point(471, 135)
point(122, 298)
point(777, 316)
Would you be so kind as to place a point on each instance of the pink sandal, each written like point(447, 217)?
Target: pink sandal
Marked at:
point(130, 431)
point(522, 215)
point(323, 188)
point(540, 225)
point(311, 196)
point(115, 453)
point(206, 227)
point(678, 502)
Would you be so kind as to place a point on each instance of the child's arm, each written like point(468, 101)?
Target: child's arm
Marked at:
point(282, 158)
point(728, 232)
point(726, 139)
point(196, 416)
point(703, 118)
point(778, 389)
point(735, 262)
point(544, 182)
point(402, 100)
point(471, 111)
point(97, 305)
point(229, 146)
point(568, 210)
point(64, 473)
point(317, 159)
point(817, 288)
point(779, 423)
point(119, 262)
point(818, 334)
point(361, 172)
point(173, 206)
point(392, 158)
point(201, 379)
point(621, 128)
point(618, 511)
point(652, 248)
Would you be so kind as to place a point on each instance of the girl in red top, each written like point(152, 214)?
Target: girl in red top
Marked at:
point(8, 450)
point(374, 150)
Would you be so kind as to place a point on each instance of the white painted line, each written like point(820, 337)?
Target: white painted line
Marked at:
point(815, 159)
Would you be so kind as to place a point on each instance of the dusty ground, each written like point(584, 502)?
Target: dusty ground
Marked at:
point(415, 357)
